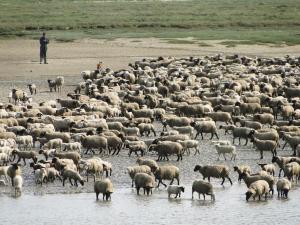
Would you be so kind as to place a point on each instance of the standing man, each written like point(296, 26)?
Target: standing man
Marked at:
point(43, 48)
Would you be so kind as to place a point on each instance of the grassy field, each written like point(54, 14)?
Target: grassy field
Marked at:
point(243, 21)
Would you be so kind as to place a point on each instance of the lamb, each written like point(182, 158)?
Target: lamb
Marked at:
point(146, 128)
point(242, 169)
point(270, 168)
point(94, 141)
point(217, 171)
point(257, 188)
point(204, 188)
point(281, 161)
point(25, 155)
point(133, 170)
point(175, 190)
point(205, 127)
point(165, 148)
point(145, 181)
point(53, 144)
point(250, 179)
point(131, 131)
point(104, 187)
point(136, 146)
point(72, 174)
point(18, 184)
point(265, 145)
point(223, 149)
point(32, 88)
point(283, 187)
point(292, 170)
point(167, 172)
point(47, 153)
point(52, 173)
point(149, 162)
point(59, 81)
point(187, 144)
point(12, 171)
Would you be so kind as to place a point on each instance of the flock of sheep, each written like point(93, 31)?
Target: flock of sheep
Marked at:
point(159, 107)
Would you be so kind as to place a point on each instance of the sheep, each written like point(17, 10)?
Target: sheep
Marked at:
point(249, 179)
point(12, 171)
point(94, 141)
point(189, 130)
point(93, 166)
point(107, 168)
point(18, 95)
point(145, 181)
point(47, 153)
point(270, 168)
point(257, 188)
point(281, 161)
point(60, 164)
point(4, 158)
point(133, 170)
point(8, 135)
point(265, 118)
point(241, 132)
point(167, 172)
point(32, 88)
point(146, 128)
point(59, 81)
point(248, 108)
point(292, 141)
point(25, 141)
point(204, 188)
point(223, 149)
point(18, 130)
point(68, 103)
point(175, 190)
point(105, 187)
point(53, 144)
point(51, 85)
point(174, 137)
point(187, 144)
point(265, 134)
point(135, 146)
point(73, 146)
point(25, 155)
point(205, 127)
point(265, 145)
point(52, 173)
point(176, 121)
point(221, 142)
point(18, 184)
point(242, 169)
point(75, 156)
point(283, 187)
point(131, 131)
point(217, 171)
point(292, 170)
point(220, 116)
point(3, 172)
point(72, 174)
point(41, 176)
point(65, 137)
point(165, 148)
point(149, 162)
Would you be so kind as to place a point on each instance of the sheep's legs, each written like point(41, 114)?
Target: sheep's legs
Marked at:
point(97, 196)
point(246, 142)
point(229, 180)
point(217, 135)
point(224, 156)
point(223, 180)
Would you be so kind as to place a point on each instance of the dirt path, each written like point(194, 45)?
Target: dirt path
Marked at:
point(19, 58)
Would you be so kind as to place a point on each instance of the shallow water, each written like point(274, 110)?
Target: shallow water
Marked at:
point(126, 207)
point(54, 204)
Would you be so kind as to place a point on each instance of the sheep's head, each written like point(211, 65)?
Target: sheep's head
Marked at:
point(41, 151)
point(274, 159)
point(235, 168)
point(54, 160)
point(197, 168)
point(181, 188)
point(248, 194)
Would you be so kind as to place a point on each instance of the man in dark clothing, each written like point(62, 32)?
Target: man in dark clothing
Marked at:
point(43, 48)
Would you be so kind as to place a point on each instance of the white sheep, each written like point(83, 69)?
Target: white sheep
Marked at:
point(188, 144)
point(73, 146)
point(175, 190)
point(223, 149)
point(283, 187)
point(59, 81)
point(4, 158)
point(258, 188)
point(18, 184)
point(3, 172)
point(53, 143)
point(270, 168)
point(25, 141)
point(41, 176)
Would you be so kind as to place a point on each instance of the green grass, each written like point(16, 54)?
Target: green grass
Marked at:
point(256, 21)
